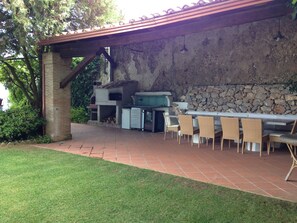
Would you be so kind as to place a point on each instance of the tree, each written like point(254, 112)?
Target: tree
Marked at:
point(24, 22)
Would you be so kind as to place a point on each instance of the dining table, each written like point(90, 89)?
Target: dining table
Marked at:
point(273, 119)
point(271, 122)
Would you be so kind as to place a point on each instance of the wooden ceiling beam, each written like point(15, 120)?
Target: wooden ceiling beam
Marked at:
point(85, 47)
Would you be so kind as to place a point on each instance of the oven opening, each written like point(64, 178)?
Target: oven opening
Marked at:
point(115, 96)
point(108, 114)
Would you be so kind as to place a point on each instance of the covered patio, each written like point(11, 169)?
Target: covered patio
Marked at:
point(206, 55)
point(248, 172)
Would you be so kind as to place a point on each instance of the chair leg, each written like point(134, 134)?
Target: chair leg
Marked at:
point(229, 143)
point(179, 139)
point(238, 146)
point(164, 134)
point(199, 141)
point(222, 143)
point(260, 149)
point(213, 142)
point(242, 147)
point(290, 171)
point(268, 147)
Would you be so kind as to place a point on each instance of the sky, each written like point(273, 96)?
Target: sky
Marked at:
point(4, 95)
point(131, 9)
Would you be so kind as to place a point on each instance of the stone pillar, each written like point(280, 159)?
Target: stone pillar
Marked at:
point(56, 100)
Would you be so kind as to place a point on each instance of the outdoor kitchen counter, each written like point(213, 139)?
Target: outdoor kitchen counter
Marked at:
point(149, 108)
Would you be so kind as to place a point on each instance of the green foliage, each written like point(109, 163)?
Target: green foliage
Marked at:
point(20, 81)
point(92, 13)
point(20, 124)
point(82, 86)
point(42, 139)
point(17, 98)
point(79, 115)
point(23, 23)
point(293, 5)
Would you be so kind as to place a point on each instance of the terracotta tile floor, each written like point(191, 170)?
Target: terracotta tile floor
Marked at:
point(248, 172)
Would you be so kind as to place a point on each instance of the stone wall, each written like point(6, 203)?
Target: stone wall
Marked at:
point(246, 54)
point(268, 99)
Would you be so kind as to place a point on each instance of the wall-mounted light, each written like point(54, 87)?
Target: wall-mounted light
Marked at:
point(279, 36)
point(184, 49)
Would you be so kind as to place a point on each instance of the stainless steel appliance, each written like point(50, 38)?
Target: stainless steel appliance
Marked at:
point(136, 118)
point(147, 110)
point(153, 120)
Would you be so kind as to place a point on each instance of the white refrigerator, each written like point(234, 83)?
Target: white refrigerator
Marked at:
point(126, 118)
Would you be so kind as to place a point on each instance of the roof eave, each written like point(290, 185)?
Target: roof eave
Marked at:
point(184, 15)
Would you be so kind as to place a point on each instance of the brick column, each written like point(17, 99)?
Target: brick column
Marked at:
point(56, 100)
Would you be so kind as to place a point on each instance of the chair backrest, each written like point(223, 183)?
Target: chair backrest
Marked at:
point(230, 127)
point(186, 124)
point(294, 128)
point(252, 130)
point(206, 126)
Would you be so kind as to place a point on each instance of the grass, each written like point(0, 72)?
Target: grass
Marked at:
point(39, 185)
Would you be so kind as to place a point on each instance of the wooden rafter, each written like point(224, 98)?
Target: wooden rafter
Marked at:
point(111, 61)
point(73, 74)
point(79, 68)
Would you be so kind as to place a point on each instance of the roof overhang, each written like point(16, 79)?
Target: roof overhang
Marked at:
point(192, 20)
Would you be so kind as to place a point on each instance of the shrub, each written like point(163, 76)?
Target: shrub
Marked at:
point(79, 115)
point(20, 124)
point(42, 139)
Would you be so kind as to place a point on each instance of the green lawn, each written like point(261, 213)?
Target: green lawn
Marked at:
point(39, 185)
